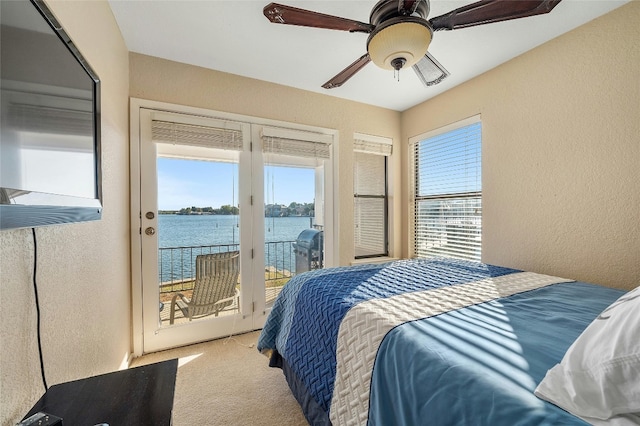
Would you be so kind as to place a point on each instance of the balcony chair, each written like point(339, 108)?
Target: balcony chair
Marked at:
point(215, 287)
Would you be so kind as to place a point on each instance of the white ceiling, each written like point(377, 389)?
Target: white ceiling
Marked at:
point(235, 37)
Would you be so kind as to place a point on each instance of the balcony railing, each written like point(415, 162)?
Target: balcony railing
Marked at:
point(176, 265)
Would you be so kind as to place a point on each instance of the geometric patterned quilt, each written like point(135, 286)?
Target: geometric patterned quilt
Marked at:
point(327, 324)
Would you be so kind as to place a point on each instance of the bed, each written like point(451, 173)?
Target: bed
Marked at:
point(434, 341)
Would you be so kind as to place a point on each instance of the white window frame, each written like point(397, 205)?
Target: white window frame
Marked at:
point(413, 141)
point(382, 146)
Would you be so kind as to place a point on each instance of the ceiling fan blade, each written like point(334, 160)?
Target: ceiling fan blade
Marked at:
point(407, 7)
point(348, 72)
point(488, 11)
point(282, 14)
point(430, 71)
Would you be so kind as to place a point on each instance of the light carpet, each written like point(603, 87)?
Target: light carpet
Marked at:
point(228, 382)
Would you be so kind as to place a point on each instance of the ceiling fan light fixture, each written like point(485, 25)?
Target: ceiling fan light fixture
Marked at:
point(404, 38)
point(430, 71)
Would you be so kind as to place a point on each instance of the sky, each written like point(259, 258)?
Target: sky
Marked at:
point(186, 183)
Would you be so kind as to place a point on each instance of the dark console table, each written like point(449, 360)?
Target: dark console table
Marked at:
point(136, 396)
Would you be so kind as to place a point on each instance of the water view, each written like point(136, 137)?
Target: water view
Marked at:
point(182, 237)
point(198, 214)
point(207, 230)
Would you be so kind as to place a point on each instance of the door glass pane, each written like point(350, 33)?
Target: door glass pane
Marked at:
point(293, 225)
point(198, 221)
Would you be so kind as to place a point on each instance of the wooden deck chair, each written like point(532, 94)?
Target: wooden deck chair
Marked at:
point(215, 287)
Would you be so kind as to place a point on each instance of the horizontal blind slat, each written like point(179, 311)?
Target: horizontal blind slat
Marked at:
point(297, 148)
point(368, 174)
point(374, 148)
point(35, 118)
point(369, 224)
point(193, 135)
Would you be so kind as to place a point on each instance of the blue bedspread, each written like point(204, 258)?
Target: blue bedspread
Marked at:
point(302, 333)
point(479, 365)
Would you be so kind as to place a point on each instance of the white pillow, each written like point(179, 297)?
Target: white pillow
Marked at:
point(599, 376)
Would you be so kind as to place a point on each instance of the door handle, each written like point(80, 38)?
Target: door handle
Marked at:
point(150, 231)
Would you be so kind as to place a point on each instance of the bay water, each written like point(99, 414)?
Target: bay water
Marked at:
point(182, 237)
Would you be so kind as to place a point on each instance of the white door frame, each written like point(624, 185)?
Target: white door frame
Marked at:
point(258, 304)
point(158, 337)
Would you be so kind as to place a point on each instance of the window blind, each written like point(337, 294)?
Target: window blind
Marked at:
point(370, 195)
point(195, 135)
point(296, 143)
point(36, 118)
point(369, 174)
point(448, 194)
point(297, 148)
point(369, 147)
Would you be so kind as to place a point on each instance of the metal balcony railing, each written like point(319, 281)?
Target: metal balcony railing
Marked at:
point(176, 265)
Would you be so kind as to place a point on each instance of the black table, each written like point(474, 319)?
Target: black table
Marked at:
point(136, 396)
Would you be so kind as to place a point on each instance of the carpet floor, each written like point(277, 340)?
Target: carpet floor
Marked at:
point(228, 382)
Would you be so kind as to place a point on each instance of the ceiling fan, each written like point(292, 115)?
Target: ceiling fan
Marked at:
point(400, 33)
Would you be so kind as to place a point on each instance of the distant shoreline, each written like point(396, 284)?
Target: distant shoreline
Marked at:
point(177, 213)
point(294, 209)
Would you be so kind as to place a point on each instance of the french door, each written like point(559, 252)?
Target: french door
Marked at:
point(192, 159)
point(212, 188)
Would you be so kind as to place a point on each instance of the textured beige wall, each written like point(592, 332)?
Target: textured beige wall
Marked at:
point(561, 152)
point(83, 270)
point(161, 80)
point(561, 180)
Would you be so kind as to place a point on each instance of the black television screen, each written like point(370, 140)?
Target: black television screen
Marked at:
point(50, 122)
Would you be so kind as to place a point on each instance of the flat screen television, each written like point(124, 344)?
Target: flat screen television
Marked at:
point(50, 122)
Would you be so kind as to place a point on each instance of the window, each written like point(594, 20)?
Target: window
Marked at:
point(448, 191)
point(370, 202)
